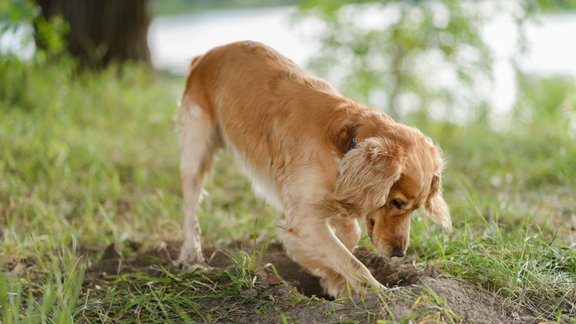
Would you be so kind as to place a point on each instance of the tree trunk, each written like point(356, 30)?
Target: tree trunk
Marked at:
point(104, 31)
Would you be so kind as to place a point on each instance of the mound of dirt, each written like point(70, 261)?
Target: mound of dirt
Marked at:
point(412, 289)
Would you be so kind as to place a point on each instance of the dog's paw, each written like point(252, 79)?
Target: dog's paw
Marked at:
point(191, 255)
point(191, 267)
point(191, 260)
point(336, 286)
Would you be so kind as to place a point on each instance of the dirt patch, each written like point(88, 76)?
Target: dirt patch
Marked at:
point(394, 272)
point(473, 304)
point(414, 291)
point(390, 272)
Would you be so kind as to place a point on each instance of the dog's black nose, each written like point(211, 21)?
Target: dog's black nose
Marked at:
point(397, 252)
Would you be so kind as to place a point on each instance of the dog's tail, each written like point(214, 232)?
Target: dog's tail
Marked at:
point(186, 102)
point(194, 62)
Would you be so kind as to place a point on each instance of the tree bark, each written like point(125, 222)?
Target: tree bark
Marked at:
point(104, 31)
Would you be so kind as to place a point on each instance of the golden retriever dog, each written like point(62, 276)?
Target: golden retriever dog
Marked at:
point(323, 160)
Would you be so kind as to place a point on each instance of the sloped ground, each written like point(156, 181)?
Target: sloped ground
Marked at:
point(278, 289)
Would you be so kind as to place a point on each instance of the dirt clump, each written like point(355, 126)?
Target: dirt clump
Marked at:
point(393, 271)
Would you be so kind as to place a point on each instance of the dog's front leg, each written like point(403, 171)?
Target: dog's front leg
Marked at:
point(311, 242)
point(347, 230)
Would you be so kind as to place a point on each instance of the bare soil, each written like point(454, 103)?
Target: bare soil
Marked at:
point(414, 291)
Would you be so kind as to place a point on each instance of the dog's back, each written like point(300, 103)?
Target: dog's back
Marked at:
point(262, 103)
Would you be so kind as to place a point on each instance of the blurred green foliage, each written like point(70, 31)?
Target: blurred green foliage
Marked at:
point(14, 15)
point(15, 72)
point(423, 57)
point(12, 11)
point(175, 7)
point(422, 53)
point(48, 38)
point(554, 5)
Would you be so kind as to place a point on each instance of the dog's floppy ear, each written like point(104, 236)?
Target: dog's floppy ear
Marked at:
point(346, 139)
point(367, 173)
point(435, 205)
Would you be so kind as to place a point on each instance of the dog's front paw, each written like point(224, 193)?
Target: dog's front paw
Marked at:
point(336, 286)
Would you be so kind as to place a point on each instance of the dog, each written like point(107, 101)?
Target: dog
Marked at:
point(323, 160)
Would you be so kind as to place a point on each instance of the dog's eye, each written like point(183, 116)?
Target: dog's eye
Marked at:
point(397, 203)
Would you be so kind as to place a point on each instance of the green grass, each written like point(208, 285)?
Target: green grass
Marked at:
point(90, 160)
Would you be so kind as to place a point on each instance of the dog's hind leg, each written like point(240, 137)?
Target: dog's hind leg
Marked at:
point(197, 134)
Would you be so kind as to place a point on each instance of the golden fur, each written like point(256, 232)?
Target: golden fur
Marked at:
point(322, 159)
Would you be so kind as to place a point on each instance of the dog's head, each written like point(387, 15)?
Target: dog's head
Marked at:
point(385, 178)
